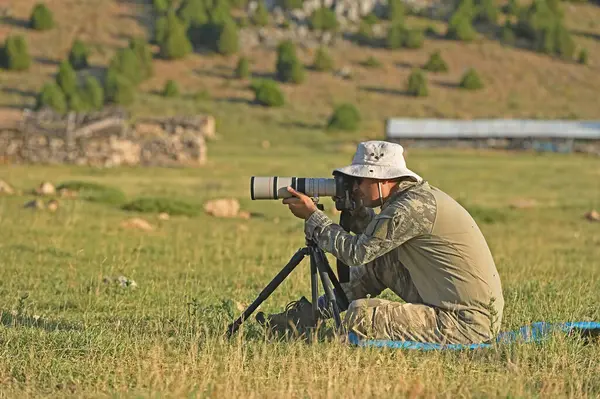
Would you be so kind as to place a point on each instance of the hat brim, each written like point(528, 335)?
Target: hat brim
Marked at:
point(377, 172)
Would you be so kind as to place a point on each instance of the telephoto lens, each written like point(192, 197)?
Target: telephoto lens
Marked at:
point(275, 187)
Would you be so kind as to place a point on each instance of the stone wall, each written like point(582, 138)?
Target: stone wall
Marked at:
point(106, 139)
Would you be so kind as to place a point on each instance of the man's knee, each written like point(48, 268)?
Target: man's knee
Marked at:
point(360, 314)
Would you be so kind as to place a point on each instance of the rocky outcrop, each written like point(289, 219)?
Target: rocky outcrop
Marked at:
point(106, 139)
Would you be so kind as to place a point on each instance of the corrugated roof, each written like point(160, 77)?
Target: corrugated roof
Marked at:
point(491, 128)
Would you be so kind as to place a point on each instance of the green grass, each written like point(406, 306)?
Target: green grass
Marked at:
point(66, 332)
point(157, 205)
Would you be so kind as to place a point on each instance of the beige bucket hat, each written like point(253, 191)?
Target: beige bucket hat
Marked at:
point(378, 160)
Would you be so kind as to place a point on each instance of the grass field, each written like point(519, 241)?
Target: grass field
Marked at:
point(66, 332)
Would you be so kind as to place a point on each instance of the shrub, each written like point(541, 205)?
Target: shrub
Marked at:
point(41, 18)
point(261, 15)
point(171, 89)
point(52, 96)
point(413, 39)
point(372, 62)
point(228, 39)
point(267, 93)
point(161, 6)
point(92, 93)
point(323, 19)
point(507, 34)
point(143, 53)
point(487, 12)
point(174, 43)
point(399, 36)
point(460, 28)
point(436, 63)
point(288, 67)
point(67, 78)
point(417, 84)
point(323, 61)
point(125, 63)
point(344, 117)
point(395, 11)
point(242, 70)
point(583, 56)
point(171, 206)
point(118, 89)
point(76, 103)
point(471, 80)
point(15, 55)
point(193, 12)
point(78, 56)
point(395, 36)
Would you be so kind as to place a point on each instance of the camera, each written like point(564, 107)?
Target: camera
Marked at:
point(275, 187)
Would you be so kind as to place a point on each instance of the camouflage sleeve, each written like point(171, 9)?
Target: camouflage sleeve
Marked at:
point(395, 225)
point(361, 218)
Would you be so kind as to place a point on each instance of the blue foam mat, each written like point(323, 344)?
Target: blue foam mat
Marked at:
point(534, 332)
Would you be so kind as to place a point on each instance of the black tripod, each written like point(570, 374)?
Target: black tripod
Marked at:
point(319, 266)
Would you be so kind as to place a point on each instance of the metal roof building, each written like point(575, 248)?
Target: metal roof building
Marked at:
point(399, 128)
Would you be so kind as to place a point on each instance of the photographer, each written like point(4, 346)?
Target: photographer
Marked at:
point(423, 246)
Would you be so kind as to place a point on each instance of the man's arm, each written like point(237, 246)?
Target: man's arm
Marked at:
point(395, 225)
point(360, 219)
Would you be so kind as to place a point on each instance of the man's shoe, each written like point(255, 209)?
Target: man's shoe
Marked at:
point(296, 317)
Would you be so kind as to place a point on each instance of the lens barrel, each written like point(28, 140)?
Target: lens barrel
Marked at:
point(275, 187)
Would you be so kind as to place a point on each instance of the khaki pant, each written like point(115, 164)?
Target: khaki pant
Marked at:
point(412, 321)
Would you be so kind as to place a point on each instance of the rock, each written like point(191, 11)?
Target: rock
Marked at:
point(208, 128)
point(35, 204)
point(592, 216)
point(52, 205)
point(344, 73)
point(163, 216)
point(45, 188)
point(137, 223)
point(265, 144)
point(244, 215)
point(5, 188)
point(222, 208)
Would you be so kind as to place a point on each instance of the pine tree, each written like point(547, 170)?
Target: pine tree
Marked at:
point(261, 15)
point(67, 79)
point(417, 84)
point(15, 55)
point(41, 18)
point(78, 56)
point(228, 40)
point(52, 96)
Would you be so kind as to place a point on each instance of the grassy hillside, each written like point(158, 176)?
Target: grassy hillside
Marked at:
point(519, 83)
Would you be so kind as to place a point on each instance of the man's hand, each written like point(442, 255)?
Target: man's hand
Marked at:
point(301, 205)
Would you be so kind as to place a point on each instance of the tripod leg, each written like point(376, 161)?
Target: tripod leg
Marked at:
point(321, 262)
point(314, 285)
point(268, 290)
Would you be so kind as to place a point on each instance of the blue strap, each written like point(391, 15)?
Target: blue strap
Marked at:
point(534, 332)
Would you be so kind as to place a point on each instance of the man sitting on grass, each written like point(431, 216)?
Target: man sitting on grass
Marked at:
point(422, 245)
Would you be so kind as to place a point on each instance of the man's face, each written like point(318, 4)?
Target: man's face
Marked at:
point(366, 190)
